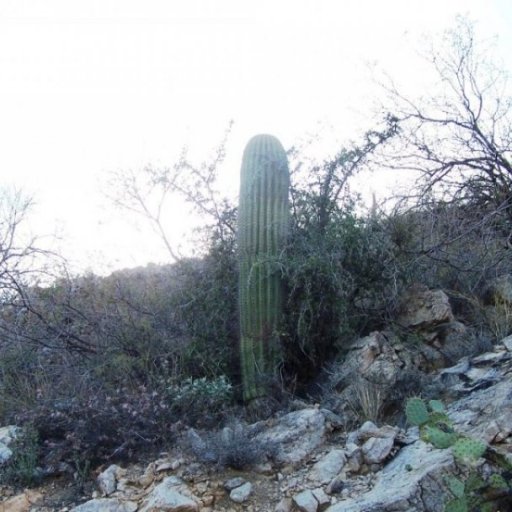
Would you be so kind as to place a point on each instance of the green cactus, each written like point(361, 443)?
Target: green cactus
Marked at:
point(476, 493)
point(263, 220)
point(467, 449)
point(457, 505)
point(416, 411)
point(437, 406)
point(439, 437)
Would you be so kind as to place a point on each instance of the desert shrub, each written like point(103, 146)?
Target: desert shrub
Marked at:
point(341, 284)
point(234, 446)
point(207, 309)
point(201, 401)
point(455, 246)
point(367, 401)
point(95, 428)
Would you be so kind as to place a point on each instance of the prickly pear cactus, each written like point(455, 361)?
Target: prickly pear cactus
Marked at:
point(416, 411)
point(440, 437)
point(469, 450)
point(263, 219)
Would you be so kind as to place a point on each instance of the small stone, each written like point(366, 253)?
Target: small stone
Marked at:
point(233, 483)
point(164, 466)
point(355, 457)
point(107, 480)
point(336, 485)
point(323, 500)
point(305, 501)
point(376, 449)
point(369, 429)
point(492, 430)
point(208, 500)
point(507, 342)
point(265, 468)
point(242, 493)
point(328, 467)
point(8, 434)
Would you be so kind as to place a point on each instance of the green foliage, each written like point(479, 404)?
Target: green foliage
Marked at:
point(202, 401)
point(340, 282)
point(263, 222)
point(21, 469)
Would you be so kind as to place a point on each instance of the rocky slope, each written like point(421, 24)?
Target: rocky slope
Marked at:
point(308, 459)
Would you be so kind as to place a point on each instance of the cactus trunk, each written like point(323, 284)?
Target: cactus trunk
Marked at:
point(263, 219)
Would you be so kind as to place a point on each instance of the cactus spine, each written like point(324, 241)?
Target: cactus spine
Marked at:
point(263, 219)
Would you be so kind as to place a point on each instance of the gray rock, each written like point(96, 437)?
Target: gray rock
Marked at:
point(107, 481)
point(5, 453)
point(507, 342)
point(328, 467)
point(322, 499)
point(369, 429)
point(412, 481)
point(233, 483)
point(424, 308)
point(376, 449)
point(9, 434)
point(106, 505)
point(171, 495)
point(241, 494)
point(336, 485)
point(305, 501)
point(296, 435)
point(355, 457)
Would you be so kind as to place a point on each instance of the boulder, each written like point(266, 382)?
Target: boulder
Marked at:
point(411, 481)
point(7, 435)
point(305, 501)
point(296, 435)
point(421, 308)
point(376, 449)
point(21, 502)
point(328, 467)
point(107, 480)
point(171, 495)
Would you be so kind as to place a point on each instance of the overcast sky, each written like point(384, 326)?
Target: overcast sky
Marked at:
point(93, 86)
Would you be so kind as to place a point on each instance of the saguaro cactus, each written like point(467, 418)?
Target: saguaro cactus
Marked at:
point(263, 219)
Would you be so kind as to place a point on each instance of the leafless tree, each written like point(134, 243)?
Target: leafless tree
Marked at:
point(459, 139)
point(457, 142)
point(148, 191)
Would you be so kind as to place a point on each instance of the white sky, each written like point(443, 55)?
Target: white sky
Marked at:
point(92, 86)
